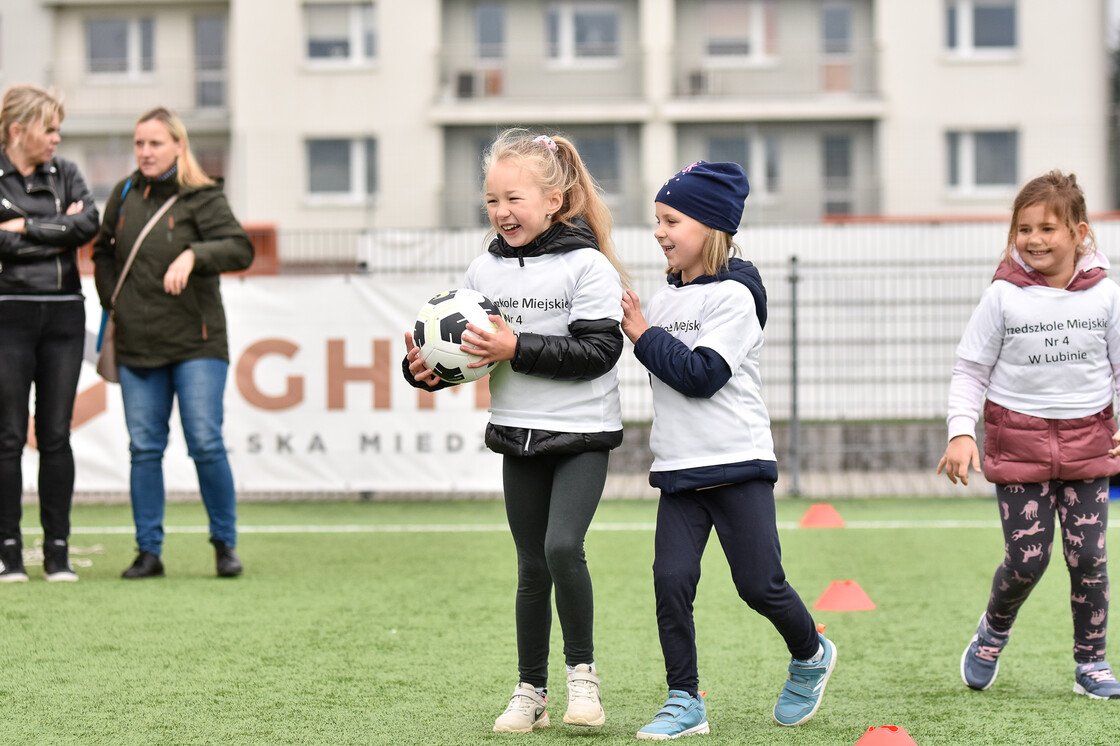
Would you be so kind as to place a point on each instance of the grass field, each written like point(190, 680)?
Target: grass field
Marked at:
point(388, 623)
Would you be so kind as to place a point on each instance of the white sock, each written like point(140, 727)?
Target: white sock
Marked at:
point(573, 668)
point(816, 658)
point(542, 692)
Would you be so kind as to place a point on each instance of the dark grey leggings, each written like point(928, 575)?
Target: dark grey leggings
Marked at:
point(550, 501)
point(1028, 513)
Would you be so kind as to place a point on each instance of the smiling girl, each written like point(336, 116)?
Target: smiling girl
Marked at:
point(1041, 358)
point(713, 453)
point(555, 412)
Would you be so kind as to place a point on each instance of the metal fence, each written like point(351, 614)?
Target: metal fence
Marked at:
point(864, 320)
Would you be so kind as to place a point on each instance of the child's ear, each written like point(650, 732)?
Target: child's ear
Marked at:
point(1081, 232)
point(554, 201)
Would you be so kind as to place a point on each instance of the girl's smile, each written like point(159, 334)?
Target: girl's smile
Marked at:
point(1048, 245)
point(519, 210)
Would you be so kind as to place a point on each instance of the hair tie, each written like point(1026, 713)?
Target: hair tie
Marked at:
point(546, 141)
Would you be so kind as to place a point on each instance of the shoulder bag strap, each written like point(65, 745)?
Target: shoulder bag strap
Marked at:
point(136, 246)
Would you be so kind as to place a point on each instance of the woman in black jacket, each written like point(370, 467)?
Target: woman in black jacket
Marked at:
point(46, 213)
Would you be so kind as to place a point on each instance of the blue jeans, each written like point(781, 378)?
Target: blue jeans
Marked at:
point(40, 342)
point(148, 394)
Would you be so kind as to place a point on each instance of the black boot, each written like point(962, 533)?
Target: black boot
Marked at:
point(146, 565)
point(229, 566)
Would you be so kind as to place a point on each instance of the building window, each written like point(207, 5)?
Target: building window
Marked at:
point(490, 32)
point(758, 155)
point(342, 169)
point(837, 156)
point(979, 26)
point(582, 32)
point(982, 160)
point(603, 157)
point(341, 32)
point(740, 30)
point(210, 61)
point(120, 46)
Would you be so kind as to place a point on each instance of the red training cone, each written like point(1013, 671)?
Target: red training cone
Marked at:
point(844, 595)
point(821, 515)
point(887, 735)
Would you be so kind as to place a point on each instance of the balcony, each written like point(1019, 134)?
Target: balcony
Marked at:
point(471, 90)
point(793, 84)
point(109, 101)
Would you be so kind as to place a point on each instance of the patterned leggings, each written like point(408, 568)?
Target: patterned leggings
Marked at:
point(1027, 512)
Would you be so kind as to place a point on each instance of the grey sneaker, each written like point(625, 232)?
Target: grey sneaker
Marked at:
point(526, 711)
point(1096, 681)
point(980, 661)
point(11, 562)
point(584, 705)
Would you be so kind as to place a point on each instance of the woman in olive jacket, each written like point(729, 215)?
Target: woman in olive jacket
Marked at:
point(170, 337)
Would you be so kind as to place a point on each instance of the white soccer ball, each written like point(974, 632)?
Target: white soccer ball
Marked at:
point(439, 333)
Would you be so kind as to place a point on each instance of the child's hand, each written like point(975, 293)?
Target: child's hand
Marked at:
point(633, 323)
point(958, 456)
point(1115, 439)
point(492, 347)
point(75, 207)
point(421, 372)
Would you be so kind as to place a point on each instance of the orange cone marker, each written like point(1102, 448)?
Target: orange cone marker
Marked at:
point(821, 515)
point(844, 595)
point(887, 735)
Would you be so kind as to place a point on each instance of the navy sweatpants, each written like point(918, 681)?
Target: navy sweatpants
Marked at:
point(743, 517)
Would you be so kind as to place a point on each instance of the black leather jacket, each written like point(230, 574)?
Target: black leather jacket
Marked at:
point(45, 260)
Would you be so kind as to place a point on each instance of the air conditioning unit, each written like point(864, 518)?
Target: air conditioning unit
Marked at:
point(698, 83)
point(465, 85)
point(478, 83)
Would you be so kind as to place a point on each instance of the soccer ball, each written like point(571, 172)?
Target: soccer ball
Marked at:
point(439, 332)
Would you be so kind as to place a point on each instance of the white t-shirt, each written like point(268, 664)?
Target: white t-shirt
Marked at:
point(1052, 351)
point(544, 297)
point(732, 426)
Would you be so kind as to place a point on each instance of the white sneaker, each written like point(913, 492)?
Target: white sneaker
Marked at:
point(584, 705)
point(526, 711)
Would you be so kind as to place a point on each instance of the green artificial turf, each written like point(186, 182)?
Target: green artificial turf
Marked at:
point(392, 623)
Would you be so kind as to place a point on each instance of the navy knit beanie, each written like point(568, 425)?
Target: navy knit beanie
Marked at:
point(712, 193)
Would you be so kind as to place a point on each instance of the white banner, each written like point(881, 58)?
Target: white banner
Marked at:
point(315, 399)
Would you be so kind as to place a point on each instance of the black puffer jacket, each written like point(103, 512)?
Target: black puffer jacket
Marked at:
point(44, 261)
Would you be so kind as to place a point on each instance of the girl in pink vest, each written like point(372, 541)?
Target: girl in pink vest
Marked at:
point(1041, 357)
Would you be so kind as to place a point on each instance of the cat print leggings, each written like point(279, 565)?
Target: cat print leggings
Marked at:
point(1027, 512)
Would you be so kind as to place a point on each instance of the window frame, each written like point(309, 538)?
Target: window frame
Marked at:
point(566, 54)
point(762, 13)
point(961, 156)
point(134, 53)
point(358, 12)
point(362, 165)
point(763, 166)
point(960, 30)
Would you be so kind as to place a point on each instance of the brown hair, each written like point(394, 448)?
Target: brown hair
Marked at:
point(188, 172)
point(564, 170)
point(1060, 194)
point(23, 104)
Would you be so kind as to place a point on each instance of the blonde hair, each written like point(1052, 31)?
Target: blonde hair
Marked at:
point(561, 169)
point(1060, 194)
point(188, 172)
point(24, 104)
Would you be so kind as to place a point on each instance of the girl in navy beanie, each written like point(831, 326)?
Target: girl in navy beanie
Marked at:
point(713, 450)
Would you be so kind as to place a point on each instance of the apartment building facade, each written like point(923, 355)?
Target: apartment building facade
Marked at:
point(342, 115)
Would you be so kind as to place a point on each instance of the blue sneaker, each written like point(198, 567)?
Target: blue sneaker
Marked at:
point(980, 661)
point(801, 695)
point(1096, 681)
point(682, 715)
